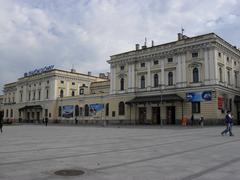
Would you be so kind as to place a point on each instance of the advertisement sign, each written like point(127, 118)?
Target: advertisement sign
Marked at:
point(68, 111)
point(94, 108)
point(220, 102)
point(199, 96)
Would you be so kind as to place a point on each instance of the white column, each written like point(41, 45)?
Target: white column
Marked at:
point(206, 66)
point(232, 81)
point(183, 70)
point(111, 79)
point(133, 78)
point(162, 73)
point(114, 79)
point(129, 77)
point(178, 71)
point(148, 75)
point(224, 70)
point(213, 66)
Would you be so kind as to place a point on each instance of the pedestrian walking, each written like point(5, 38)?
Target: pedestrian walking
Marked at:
point(46, 121)
point(1, 125)
point(229, 124)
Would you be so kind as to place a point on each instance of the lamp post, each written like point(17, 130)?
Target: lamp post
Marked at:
point(102, 106)
point(161, 91)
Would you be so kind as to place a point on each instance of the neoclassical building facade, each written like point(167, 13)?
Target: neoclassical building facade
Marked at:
point(163, 84)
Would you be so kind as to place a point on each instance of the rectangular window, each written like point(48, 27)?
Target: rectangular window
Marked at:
point(122, 67)
point(219, 54)
point(142, 64)
point(196, 107)
point(195, 54)
point(170, 60)
point(81, 91)
point(62, 82)
point(73, 83)
point(155, 62)
point(113, 113)
point(46, 112)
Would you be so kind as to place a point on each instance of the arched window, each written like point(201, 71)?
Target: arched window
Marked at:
point(61, 93)
point(121, 108)
point(142, 82)
point(86, 110)
point(220, 75)
point(73, 93)
point(76, 110)
point(122, 84)
point(195, 75)
point(107, 109)
point(236, 79)
point(170, 78)
point(228, 76)
point(155, 80)
point(59, 111)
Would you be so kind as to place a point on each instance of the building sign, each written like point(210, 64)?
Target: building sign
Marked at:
point(94, 108)
point(39, 71)
point(220, 102)
point(68, 111)
point(199, 96)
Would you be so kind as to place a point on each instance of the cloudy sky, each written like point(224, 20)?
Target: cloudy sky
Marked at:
point(84, 33)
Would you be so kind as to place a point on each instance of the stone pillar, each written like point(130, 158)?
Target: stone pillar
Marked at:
point(129, 77)
point(232, 81)
point(178, 71)
point(133, 78)
point(183, 70)
point(149, 75)
point(206, 66)
point(162, 73)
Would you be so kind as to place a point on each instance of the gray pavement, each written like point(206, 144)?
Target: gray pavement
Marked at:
point(127, 153)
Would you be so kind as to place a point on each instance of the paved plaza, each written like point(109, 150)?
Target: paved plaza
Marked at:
point(118, 153)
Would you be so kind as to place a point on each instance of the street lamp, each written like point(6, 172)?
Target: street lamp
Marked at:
point(104, 122)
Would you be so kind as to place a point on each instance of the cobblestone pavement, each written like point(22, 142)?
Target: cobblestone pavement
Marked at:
point(127, 153)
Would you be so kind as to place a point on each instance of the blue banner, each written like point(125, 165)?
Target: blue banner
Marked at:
point(94, 108)
point(199, 96)
point(68, 111)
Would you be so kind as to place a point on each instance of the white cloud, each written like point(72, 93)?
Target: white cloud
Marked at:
point(85, 33)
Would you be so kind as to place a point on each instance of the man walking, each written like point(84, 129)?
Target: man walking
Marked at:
point(1, 125)
point(229, 124)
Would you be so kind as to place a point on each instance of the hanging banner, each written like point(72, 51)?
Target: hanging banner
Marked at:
point(199, 96)
point(220, 102)
point(68, 111)
point(94, 108)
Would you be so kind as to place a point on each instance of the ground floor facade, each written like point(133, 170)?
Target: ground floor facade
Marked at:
point(168, 107)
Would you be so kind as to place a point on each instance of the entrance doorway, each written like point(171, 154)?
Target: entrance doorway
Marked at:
point(38, 117)
point(170, 115)
point(142, 115)
point(156, 115)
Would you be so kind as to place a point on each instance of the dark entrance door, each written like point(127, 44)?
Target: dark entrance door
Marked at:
point(38, 117)
point(28, 116)
point(156, 115)
point(142, 115)
point(170, 114)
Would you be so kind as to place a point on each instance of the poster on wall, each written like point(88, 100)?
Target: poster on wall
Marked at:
point(94, 108)
point(220, 102)
point(68, 111)
point(199, 96)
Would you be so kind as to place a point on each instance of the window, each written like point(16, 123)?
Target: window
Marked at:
point(227, 59)
point(48, 82)
point(121, 108)
point(61, 93)
point(86, 110)
point(122, 84)
point(155, 62)
point(21, 95)
point(73, 93)
point(194, 54)
point(34, 95)
point(236, 79)
point(195, 107)
point(142, 82)
point(170, 60)
point(39, 94)
point(80, 111)
point(47, 94)
point(195, 75)
point(113, 113)
point(220, 75)
point(107, 109)
point(235, 63)
point(73, 83)
point(228, 76)
point(142, 64)
point(170, 78)
point(32, 115)
point(29, 96)
point(46, 112)
point(155, 80)
point(76, 110)
point(59, 111)
point(11, 113)
point(122, 67)
point(81, 91)
point(62, 82)
point(219, 54)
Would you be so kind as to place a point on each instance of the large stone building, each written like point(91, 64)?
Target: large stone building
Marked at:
point(160, 84)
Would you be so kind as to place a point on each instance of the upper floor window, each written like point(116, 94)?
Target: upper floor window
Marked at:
point(219, 54)
point(21, 96)
point(228, 77)
point(142, 82)
point(220, 75)
point(34, 95)
point(107, 109)
point(155, 62)
point(235, 63)
point(86, 110)
point(73, 83)
point(122, 67)
point(29, 96)
point(61, 93)
point(142, 64)
point(121, 108)
point(62, 82)
point(195, 75)
point(73, 93)
point(122, 84)
point(170, 78)
point(227, 59)
point(155, 80)
point(170, 60)
point(81, 91)
point(194, 54)
point(47, 81)
point(236, 79)
point(47, 94)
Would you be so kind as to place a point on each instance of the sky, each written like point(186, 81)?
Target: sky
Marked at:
point(84, 33)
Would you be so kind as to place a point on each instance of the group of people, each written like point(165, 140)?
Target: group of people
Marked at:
point(229, 124)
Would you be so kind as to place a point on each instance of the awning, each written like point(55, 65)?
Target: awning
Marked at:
point(30, 107)
point(237, 99)
point(155, 99)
